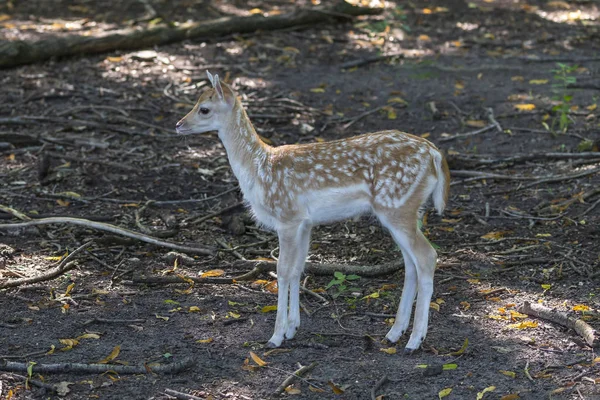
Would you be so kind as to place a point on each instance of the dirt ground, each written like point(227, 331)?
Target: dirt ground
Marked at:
point(93, 137)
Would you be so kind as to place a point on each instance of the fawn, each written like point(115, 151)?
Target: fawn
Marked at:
point(291, 188)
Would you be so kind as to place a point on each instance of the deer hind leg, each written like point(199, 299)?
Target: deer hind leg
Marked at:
point(419, 259)
point(293, 249)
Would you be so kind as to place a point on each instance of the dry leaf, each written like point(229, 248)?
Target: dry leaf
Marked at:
point(212, 273)
point(292, 390)
point(113, 354)
point(389, 350)
point(461, 350)
point(495, 235)
point(267, 309)
point(476, 123)
point(444, 392)
point(69, 344)
point(114, 59)
point(465, 305)
point(335, 388)
point(525, 107)
point(435, 306)
point(194, 309)
point(318, 90)
point(523, 325)
point(591, 107)
point(508, 373)
point(315, 389)
point(512, 396)
point(63, 203)
point(538, 81)
point(517, 78)
point(580, 307)
point(257, 359)
point(209, 340)
point(484, 391)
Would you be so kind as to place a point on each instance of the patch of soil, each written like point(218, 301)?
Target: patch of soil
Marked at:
point(528, 233)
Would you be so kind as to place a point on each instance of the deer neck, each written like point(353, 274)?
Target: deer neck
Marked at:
point(247, 153)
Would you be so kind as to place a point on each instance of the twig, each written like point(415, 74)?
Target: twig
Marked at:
point(65, 265)
point(561, 178)
point(113, 321)
point(590, 208)
point(468, 134)
point(378, 386)
point(50, 387)
point(225, 246)
point(581, 327)
point(369, 60)
point(329, 269)
point(217, 213)
point(168, 202)
point(93, 161)
point(290, 379)
point(361, 116)
point(113, 229)
point(493, 120)
point(79, 368)
point(182, 396)
point(304, 289)
point(488, 175)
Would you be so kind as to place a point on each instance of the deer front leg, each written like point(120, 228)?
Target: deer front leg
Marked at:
point(293, 248)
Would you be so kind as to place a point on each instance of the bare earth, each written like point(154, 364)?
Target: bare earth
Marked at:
point(502, 240)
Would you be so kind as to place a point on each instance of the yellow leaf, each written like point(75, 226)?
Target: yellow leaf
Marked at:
point(389, 350)
point(546, 286)
point(495, 235)
point(465, 305)
point(52, 349)
point(113, 354)
point(212, 273)
point(538, 81)
point(474, 281)
point(4, 17)
point(292, 390)
point(484, 391)
point(391, 113)
point(444, 392)
point(446, 228)
point(425, 135)
point(476, 123)
point(435, 306)
point(512, 396)
point(523, 325)
point(440, 301)
point(318, 90)
point(194, 309)
point(397, 100)
point(462, 349)
point(69, 344)
point(374, 295)
point(257, 359)
point(89, 336)
point(69, 288)
point(233, 315)
point(130, 205)
point(580, 307)
point(543, 235)
point(424, 38)
point(291, 49)
point(161, 317)
point(335, 389)
point(114, 59)
point(209, 340)
point(525, 107)
point(517, 315)
point(272, 287)
point(255, 11)
point(591, 107)
point(267, 309)
point(315, 389)
point(517, 78)
point(508, 373)
point(459, 85)
point(63, 203)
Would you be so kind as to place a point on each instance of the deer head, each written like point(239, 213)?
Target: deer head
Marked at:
point(212, 111)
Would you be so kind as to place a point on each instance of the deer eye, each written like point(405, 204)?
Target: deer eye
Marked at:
point(204, 110)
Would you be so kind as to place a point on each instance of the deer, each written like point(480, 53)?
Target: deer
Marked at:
point(291, 188)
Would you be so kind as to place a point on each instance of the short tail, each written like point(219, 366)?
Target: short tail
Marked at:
point(442, 186)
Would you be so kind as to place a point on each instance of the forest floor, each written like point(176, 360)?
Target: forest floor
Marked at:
point(508, 91)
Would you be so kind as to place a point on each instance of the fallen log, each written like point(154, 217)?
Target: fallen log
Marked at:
point(20, 52)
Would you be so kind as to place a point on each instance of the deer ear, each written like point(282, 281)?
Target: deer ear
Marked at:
point(210, 78)
point(218, 87)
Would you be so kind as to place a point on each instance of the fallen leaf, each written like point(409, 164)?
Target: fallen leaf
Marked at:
point(525, 107)
point(538, 81)
point(523, 325)
point(292, 390)
point(114, 59)
point(517, 315)
point(63, 203)
point(267, 309)
point(257, 359)
point(462, 349)
point(335, 388)
point(591, 107)
point(315, 389)
point(484, 391)
point(399, 100)
point(318, 90)
point(113, 354)
point(512, 396)
point(580, 307)
point(69, 344)
point(476, 123)
point(389, 350)
point(161, 317)
point(255, 11)
point(88, 336)
point(496, 235)
point(194, 309)
point(546, 286)
point(233, 315)
point(449, 367)
point(435, 306)
point(517, 78)
point(209, 340)
point(465, 305)
point(444, 392)
point(212, 273)
point(508, 373)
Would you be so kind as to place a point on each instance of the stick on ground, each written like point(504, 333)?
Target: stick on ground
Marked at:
point(558, 317)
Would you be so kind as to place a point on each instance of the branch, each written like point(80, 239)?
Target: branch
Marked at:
point(97, 368)
point(290, 379)
point(113, 229)
point(581, 327)
point(21, 52)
